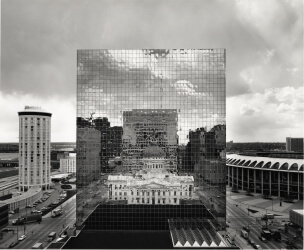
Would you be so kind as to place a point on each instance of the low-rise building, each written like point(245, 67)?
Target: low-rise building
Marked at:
point(68, 164)
point(282, 177)
point(21, 200)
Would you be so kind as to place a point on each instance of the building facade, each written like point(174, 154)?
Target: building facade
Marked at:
point(87, 156)
point(155, 97)
point(153, 184)
point(34, 148)
point(266, 175)
point(294, 144)
point(68, 164)
point(144, 126)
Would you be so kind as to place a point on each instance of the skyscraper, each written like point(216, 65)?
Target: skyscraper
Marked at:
point(157, 97)
point(34, 148)
point(141, 127)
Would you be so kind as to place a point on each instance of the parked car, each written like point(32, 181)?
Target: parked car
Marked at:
point(289, 201)
point(22, 237)
point(267, 196)
point(262, 239)
point(29, 206)
point(251, 242)
point(7, 229)
point(39, 201)
point(231, 241)
point(13, 244)
point(11, 212)
point(257, 247)
point(44, 199)
point(36, 212)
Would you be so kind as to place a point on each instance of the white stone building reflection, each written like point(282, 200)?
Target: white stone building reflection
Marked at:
point(156, 183)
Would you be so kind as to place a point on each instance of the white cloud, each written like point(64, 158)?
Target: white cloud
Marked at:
point(294, 107)
point(286, 94)
point(267, 55)
point(249, 110)
point(271, 116)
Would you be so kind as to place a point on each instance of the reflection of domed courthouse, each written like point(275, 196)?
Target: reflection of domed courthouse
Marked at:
point(153, 184)
point(155, 158)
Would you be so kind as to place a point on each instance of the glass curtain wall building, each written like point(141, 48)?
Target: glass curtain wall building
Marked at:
point(151, 140)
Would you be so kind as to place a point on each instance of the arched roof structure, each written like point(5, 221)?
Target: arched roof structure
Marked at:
point(282, 164)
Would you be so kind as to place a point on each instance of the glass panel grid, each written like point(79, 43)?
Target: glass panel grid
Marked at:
point(150, 137)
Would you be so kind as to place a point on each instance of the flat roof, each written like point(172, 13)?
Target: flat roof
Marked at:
point(59, 175)
point(299, 211)
point(23, 196)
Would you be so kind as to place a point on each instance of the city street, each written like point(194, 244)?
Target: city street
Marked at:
point(237, 218)
point(39, 232)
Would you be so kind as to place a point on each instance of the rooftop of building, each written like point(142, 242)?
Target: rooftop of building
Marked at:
point(299, 211)
point(58, 176)
point(127, 240)
point(149, 177)
point(22, 196)
point(152, 111)
point(33, 109)
point(265, 162)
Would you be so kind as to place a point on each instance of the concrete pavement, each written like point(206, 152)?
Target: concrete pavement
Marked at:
point(258, 206)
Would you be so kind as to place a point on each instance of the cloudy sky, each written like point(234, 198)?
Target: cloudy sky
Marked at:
point(264, 60)
point(192, 82)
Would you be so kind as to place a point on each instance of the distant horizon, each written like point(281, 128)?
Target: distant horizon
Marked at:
point(183, 144)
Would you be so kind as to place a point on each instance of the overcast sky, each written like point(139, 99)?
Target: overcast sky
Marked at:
point(263, 41)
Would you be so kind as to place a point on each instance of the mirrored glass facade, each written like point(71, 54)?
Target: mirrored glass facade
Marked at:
point(150, 138)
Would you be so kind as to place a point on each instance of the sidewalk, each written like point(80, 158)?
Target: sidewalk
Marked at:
point(258, 206)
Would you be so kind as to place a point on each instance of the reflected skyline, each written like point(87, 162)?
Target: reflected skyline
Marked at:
point(150, 138)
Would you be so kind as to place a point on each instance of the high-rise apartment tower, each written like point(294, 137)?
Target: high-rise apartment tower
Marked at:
point(34, 148)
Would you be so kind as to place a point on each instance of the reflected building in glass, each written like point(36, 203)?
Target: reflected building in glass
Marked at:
point(151, 144)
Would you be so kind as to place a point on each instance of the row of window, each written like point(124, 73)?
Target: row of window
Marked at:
point(32, 119)
point(148, 193)
point(32, 174)
point(147, 201)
